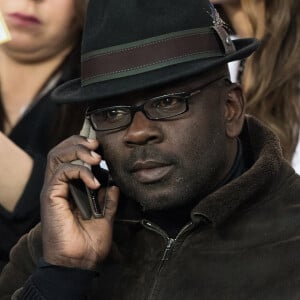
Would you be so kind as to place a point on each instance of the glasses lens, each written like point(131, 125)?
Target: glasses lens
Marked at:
point(165, 107)
point(155, 109)
point(110, 118)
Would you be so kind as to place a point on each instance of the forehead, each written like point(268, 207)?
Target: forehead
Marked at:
point(187, 85)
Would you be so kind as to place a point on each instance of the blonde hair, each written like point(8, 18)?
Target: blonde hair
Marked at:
point(272, 74)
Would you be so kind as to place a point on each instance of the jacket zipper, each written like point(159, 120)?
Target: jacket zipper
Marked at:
point(168, 250)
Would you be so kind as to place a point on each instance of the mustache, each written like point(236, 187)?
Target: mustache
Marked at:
point(149, 154)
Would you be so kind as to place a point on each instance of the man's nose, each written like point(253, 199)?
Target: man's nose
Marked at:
point(142, 131)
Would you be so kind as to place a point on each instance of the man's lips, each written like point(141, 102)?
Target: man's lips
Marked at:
point(150, 171)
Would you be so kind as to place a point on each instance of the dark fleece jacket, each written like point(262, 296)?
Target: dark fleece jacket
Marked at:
point(242, 242)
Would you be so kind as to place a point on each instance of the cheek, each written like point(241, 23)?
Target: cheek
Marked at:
point(60, 17)
point(59, 8)
point(11, 6)
point(201, 138)
point(3, 5)
point(110, 149)
point(194, 130)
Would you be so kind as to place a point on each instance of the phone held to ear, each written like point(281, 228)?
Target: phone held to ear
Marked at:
point(91, 203)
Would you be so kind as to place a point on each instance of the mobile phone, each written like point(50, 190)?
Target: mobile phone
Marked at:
point(91, 203)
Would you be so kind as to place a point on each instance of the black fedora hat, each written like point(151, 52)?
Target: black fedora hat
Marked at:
point(129, 45)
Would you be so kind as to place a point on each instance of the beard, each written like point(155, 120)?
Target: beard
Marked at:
point(188, 180)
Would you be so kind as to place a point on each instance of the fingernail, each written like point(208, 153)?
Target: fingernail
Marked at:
point(94, 154)
point(96, 181)
point(91, 140)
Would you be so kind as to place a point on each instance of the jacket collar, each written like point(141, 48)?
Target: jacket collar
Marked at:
point(263, 147)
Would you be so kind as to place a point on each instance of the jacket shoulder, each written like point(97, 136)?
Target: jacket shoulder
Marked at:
point(23, 262)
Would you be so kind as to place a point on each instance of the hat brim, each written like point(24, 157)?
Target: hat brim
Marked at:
point(73, 92)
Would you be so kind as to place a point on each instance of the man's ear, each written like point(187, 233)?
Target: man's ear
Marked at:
point(234, 114)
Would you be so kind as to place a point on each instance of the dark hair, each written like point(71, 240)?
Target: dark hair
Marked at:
point(69, 120)
point(3, 117)
point(80, 10)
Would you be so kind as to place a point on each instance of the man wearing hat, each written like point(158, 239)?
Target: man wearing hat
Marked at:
point(203, 206)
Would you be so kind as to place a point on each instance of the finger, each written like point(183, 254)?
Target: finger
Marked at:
point(56, 190)
point(58, 186)
point(111, 203)
point(66, 150)
point(72, 153)
point(69, 172)
point(58, 156)
point(77, 139)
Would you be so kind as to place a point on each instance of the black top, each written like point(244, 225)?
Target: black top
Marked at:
point(33, 134)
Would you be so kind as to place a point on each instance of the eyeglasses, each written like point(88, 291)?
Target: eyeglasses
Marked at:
point(158, 108)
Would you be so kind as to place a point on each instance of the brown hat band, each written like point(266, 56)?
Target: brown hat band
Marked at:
point(153, 53)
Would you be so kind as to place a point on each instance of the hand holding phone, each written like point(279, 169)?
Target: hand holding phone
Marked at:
point(68, 239)
point(91, 203)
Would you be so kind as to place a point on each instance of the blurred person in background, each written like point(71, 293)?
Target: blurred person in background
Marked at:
point(42, 54)
point(238, 25)
point(234, 16)
point(271, 76)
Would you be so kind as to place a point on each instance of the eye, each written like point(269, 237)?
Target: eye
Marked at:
point(114, 115)
point(169, 102)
